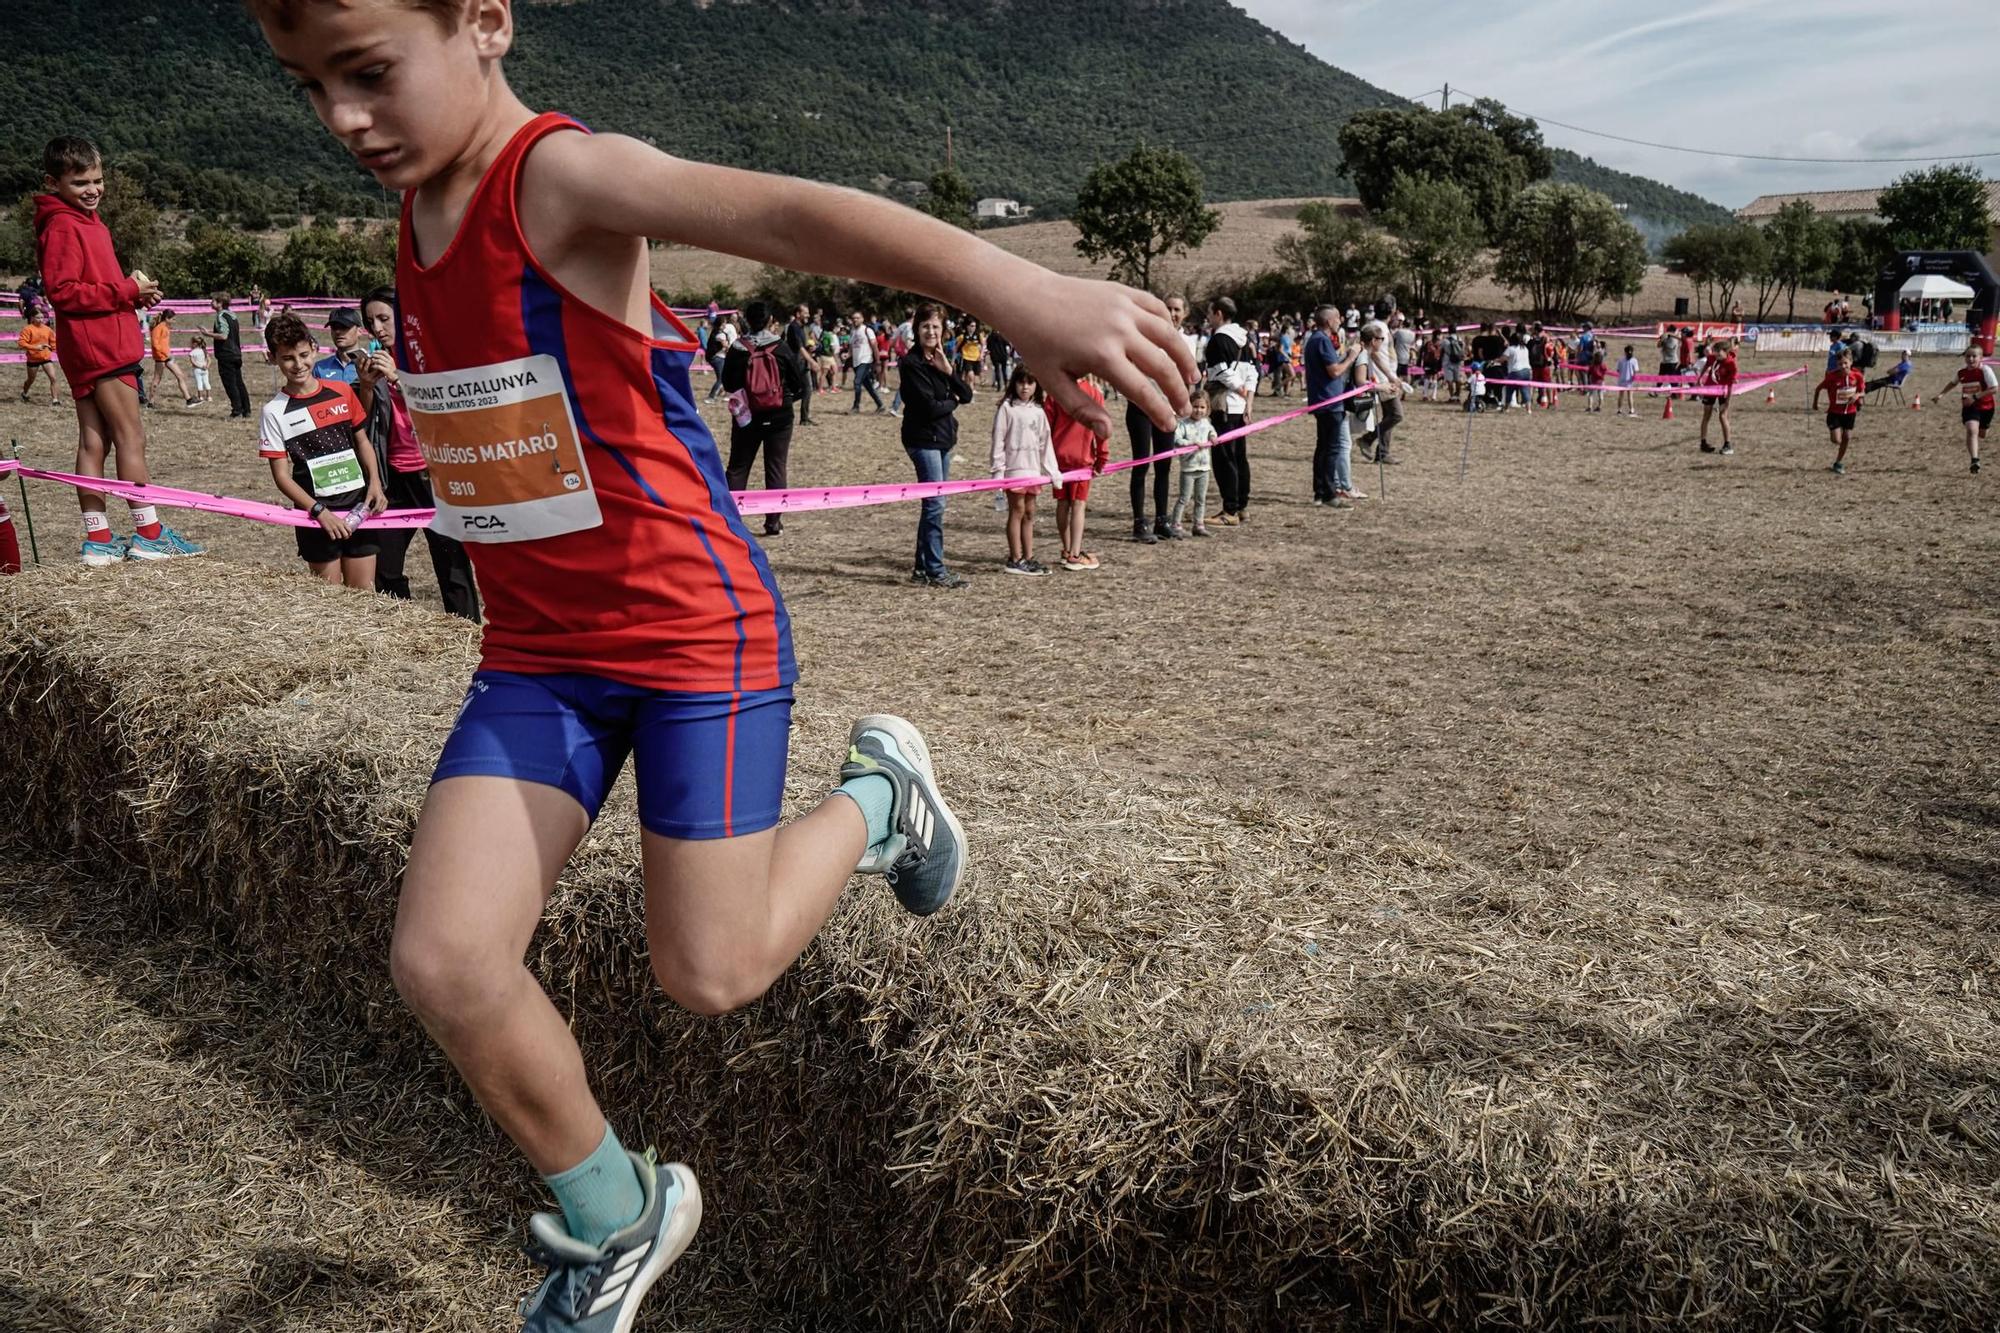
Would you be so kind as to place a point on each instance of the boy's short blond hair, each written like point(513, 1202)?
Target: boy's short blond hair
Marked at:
point(284, 14)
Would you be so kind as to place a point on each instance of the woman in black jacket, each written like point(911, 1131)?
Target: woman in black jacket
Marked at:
point(931, 394)
point(769, 429)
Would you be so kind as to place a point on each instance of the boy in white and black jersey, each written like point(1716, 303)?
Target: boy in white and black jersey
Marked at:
point(311, 436)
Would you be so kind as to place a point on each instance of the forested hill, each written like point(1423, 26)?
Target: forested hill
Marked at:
point(856, 91)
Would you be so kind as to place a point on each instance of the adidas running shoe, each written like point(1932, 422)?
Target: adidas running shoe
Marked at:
point(923, 858)
point(592, 1290)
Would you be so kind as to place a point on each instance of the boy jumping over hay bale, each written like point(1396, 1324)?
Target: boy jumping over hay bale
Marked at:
point(631, 612)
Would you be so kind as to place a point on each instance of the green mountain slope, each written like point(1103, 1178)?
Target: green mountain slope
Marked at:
point(1035, 91)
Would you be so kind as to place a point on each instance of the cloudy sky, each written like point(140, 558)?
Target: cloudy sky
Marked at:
point(1833, 78)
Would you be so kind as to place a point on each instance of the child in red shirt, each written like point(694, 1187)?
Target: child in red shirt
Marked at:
point(1977, 389)
point(1719, 373)
point(1844, 387)
point(98, 343)
point(1076, 447)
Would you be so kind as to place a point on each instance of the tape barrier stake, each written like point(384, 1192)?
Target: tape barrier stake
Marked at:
point(27, 514)
point(1465, 454)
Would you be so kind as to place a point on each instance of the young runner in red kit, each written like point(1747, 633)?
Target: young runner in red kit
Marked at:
point(1720, 373)
point(631, 613)
point(1976, 384)
point(1845, 389)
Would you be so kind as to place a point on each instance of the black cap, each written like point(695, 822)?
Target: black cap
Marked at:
point(346, 317)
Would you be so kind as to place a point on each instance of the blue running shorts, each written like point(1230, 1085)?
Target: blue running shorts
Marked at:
point(708, 765)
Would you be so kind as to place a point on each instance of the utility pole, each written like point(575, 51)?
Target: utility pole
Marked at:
point(1444, 99)
point(947, 148)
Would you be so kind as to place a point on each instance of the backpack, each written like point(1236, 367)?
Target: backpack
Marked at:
point(764, 381)
point(1864, 355)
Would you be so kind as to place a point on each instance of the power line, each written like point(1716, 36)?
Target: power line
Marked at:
point(1710, 152)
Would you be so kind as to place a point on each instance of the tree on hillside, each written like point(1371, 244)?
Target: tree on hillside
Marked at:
point(1441, 239)
point(1938, 208)
point(949, 198)
point(1801, 250)
point(1341, 258)
point(1486, 152)
point(1860, 249)
point(1135, 211)
point(1521, 137)
point(1718, 260)
point(320, 261)
point(1566, 248)
point(213, 258)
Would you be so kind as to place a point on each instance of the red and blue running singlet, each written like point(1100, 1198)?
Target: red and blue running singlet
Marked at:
point(566, 450)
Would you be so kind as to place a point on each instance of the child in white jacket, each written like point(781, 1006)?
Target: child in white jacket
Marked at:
point(1023, 447)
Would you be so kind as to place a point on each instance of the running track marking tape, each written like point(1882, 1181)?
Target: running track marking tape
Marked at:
point(794, 501)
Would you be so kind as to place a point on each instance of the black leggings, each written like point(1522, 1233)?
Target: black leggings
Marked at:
point(1147, 440)
point(412, 490)
point(1232, 464)
point(772, 435)
point(231, 371)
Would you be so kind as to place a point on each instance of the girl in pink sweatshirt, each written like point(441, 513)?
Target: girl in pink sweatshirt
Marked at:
point(1023, 447)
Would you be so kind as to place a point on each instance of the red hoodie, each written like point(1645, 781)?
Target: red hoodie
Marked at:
point(1075, 443)
point(94, 300)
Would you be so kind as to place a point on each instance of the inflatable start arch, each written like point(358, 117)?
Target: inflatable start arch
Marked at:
point(1960, 265)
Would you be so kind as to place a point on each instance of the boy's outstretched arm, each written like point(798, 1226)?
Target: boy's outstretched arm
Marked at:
point(1064, 327)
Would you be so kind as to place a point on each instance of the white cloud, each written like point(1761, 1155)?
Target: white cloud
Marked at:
point(1837, 78)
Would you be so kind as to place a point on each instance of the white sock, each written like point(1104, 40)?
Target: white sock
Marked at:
point(96, 527)
point(143, 515)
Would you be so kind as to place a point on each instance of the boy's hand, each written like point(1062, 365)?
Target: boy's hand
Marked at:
point(149, 291)
point(1072, 327)
point(335, 526)
point(377, 501)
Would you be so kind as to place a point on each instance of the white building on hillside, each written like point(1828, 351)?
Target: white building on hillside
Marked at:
point(987, 210)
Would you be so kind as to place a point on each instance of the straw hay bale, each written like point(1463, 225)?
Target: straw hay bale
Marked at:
point(1190, 1059)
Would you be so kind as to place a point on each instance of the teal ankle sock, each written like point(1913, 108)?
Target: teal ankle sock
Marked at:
point(601, 1195)
point(876, 796)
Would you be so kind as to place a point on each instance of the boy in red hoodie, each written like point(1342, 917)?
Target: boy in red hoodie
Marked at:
point(1077, 446)
point(99, 345)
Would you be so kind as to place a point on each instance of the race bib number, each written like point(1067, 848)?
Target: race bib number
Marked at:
point(335, 473)
point(505, 459)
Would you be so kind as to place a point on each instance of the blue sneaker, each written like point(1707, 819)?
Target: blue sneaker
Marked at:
point(590, 1290)
point(923, 858)
point(169, 545)
point(99, 554)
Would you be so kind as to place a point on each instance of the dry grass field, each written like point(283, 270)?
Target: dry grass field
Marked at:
point(1635, 811)
point(1241, 247)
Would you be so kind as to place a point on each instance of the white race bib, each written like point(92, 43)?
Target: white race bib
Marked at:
point(502, 447)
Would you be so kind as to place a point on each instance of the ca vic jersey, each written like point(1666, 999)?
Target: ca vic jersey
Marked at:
point(321, 434)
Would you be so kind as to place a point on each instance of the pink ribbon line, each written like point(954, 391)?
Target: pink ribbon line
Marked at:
point(1747, 384)
point(792, 501)
point(257, 511)
point(804, 499)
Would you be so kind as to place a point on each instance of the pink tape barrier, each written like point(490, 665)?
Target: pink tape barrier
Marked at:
point(1744, 385)
point(792, 501)
point(804, 499)
point(257, 511)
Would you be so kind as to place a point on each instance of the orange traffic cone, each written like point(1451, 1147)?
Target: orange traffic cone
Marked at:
point(1917, 403)
point(1771, 394)
point(1668, 415)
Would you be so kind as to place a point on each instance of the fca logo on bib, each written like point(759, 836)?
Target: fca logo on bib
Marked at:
point(485, 523)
